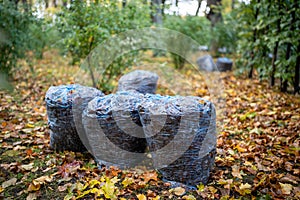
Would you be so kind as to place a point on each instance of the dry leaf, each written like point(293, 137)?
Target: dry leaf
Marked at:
point(27, 167)
point(147, 176)
point(189, 197)
point(8, 183)
point(245, 186)
point(236, 171)
point(286, 188)
point(34, 187)
point(32, 196)
point(42, 180)
point(141, 197)
point(63, 187)
point(179, 191)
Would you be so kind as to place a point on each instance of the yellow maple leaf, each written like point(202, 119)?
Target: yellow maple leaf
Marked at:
point(109, 189)
point(156, 198)
point(127, 181)
point(245, 186)
point(33, 187)
point(141, 197)
point(92, 183)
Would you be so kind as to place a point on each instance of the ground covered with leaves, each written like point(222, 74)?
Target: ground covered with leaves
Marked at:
point(257, 147)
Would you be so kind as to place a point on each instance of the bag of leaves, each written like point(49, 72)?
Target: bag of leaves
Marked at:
point(139, 80)
point(114, 129)
point(65, 104)
point(181, 135)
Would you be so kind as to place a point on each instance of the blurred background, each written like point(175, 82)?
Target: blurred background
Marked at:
point(261, 37)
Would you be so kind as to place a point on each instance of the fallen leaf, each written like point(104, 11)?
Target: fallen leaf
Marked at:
point(156, 198)
point(200, 187)
point(68, 196)
point(32, 196)
point(109, 189)
point(179, 191)
point(127, 181)
point(27, 167)
point(42, 179)
point(147, 176)
point(189, 197)
point(33, 187)
point(62, 188)
point(286, 188)
point(236, 171)
point(8, 183)
point(141, 197)
point(245, 186)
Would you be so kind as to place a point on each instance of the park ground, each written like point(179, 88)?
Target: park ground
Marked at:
point(257, 147)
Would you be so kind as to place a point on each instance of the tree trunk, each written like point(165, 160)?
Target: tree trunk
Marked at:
point(163, 7)
point(272, 80)
point(89, 64)
point(214, 16)
point(297, 72)
point(274, 58)
point(54, 3)
point(250, 75)
point(46, 4)
point(198, 8)
point(156, 12)
point(232, 4)
point(284, 84)
point(124, 3)
point(65, 3)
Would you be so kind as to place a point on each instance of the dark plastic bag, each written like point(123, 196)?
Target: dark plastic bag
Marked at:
point(114, 130)
point(139, 80)
point(65, 104)
point(181, 134)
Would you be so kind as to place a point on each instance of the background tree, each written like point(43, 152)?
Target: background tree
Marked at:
point(215, 16)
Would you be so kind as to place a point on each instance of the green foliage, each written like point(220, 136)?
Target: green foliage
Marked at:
point(225, 33)
point(198, 28)
point(14, 34)
point(84, 27)
point(263, 25)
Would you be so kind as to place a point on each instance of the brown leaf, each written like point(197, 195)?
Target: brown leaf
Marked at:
point(236, 171)
point(179, 191)
point(32, 196)
point(42, 180)
point(288, 178)
point(149, 175)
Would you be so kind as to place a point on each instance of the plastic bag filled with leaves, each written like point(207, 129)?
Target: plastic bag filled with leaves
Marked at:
point(65, 104)
point(181, 135)
point(114, 130)
point(139, 80)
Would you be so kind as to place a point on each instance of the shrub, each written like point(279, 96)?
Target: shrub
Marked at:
point(198, 28)
point(14, 34)
point(86, 26)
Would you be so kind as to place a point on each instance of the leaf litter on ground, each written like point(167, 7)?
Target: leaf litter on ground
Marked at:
point(257, 146)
